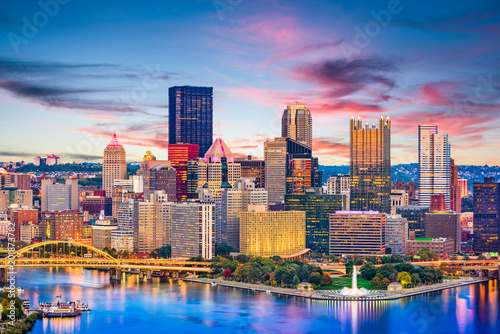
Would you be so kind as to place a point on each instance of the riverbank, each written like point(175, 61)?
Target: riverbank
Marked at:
point(328, 295)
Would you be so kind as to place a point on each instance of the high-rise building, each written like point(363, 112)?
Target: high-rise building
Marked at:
point(29, 231)
point(464, 187)
point(234, 201)
point(455, 192)
point(433, 164)
point(114, 165)
point(337, 184)
point(370, 173)
point(22, 215)
point(193, 232)
point(190, 116)
point(396, 234)
point(253, 168)
point(398, 198)
point(60, 197)
point(290, 168)
point(62, 225)
point(96, 203)
point(415, 215)
point(101, 235)
point(269, 233)
point(181, 156)
point(486, 216)
point(357, 232)
point(164, 178)
point(217, 170)
point(148, 163)
point(151, 223)
point(296, 123)
point(443, 224)
point(318, 208)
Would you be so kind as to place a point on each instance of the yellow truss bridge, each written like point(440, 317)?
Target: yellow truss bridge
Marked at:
point(68, 254)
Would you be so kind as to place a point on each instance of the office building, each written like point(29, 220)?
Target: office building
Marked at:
point(409, 187)
point(370, 173)
point(58, 196)
point(148, 162)
point(486, 216)
point(398, 198)
point(234, 201)
point(29, 231)
point(98, 202)
point(433, 164)
point(357, 233)
point(101, 235)
point(217, 170)
point(163, 178)
point(443, 224)
point(21, 215)
point(62, 225)
point(193, 232)
point(338, 185)
point(114, 165)
point(318, 208)
point(275, 152)
point(190, 116)
point(396, 234)
point(49, 160)
point(415, 215)
point(253, 168)
point(122, 240)
point(464, 187)
point(181, 156)
point(149, 224)
point(455, 191)
point(296, 123)
point(269, 233)
point(443, 247)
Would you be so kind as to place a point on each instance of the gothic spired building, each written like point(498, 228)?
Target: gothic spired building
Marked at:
point(371, 166)
point(190, 116)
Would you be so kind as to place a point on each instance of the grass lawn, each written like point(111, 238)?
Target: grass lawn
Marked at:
point(449, 277)
point(342, 282)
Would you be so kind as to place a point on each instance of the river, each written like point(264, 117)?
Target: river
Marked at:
point(185, 307)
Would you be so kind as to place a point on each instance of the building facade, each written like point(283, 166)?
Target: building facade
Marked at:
point(396, 234)
point(443, 247)
point(190, 116)
point(62, 225)
point(486, 216)
point(296, 123)
point(370, 173)
point(455, 191)
point(398, 198)
point(180, 157)
point(253, 168)
point(433, 164)
point(444, 224)
point(357, 233)
point(269, 233)
point(114, 165)
point(415, 215)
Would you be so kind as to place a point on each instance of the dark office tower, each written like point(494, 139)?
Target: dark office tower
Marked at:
point(416, 218)
point(190, 116)
point(178, 155)
point(253, 168)
point(486, 216)
point(370, 177)
point(296, 123)
point(318, 208)
point(455, 190)
point(164, 178)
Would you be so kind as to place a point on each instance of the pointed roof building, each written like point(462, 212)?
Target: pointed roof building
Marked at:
point(114, 142)
point(219, 149)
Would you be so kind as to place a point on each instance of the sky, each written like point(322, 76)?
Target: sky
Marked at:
point(74, 72)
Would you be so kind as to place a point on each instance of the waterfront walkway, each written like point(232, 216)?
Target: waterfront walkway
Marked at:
point(325, 295)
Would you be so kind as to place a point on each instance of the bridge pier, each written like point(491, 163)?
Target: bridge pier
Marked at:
point(149, 275)
point(175, 274)
point(115, 274)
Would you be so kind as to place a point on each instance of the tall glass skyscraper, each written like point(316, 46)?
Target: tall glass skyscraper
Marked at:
point(370, 166)
point(191, 116)
point(433, 165)
point(296, 123)
point(486, 216)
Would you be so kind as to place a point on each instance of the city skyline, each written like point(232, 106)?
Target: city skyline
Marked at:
point(83, 77)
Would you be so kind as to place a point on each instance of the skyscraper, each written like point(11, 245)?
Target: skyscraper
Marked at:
point(486, 216)
point(296, 123)
point(179, 156)
point(433, 164)
point(370, 173)
point(455, 191)
point(275, 160)
point(190, 116)
point(253, 168)
point(114, 166)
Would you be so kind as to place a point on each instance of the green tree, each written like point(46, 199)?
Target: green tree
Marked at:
point(333, 258)
point(404, 278)
point(348, 267)
point(368, 271)
point(295, 280)
point(385, 282)
point(242, 258)
point(481, 257)
point(375, 282)
point(387, 269)
point(315, 278)
point(326, 280)
point(466, 258)
point(400, 267)
point(223, 249)
point(415, 278)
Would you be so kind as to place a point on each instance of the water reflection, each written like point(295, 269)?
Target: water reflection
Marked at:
point(140, 306)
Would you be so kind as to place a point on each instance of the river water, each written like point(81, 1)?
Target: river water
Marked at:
point(184, 307)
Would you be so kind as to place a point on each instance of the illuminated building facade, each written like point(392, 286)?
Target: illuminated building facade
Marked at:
point(296, 123)
point(179, 156)
point(275, 164)
point(415, 215)
point(443, 247)
point(190, 116)
point(101, 235)
point(444, 224)
point(269, 233)
point(253, 168)
point(433, 164)
point(318, 208)
point(486, 216)
point(464, 187)
point(164, 178)
point(398, 198)
point(370, 173)
point(114, 166)
point(409, 187)
point(149, 161)
point(357, 232)
point(396, 234)
point(22, 215)
point(62, 225)
point(455, 191)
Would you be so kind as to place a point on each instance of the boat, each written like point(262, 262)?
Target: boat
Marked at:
point(69, 305)
point(60, 313)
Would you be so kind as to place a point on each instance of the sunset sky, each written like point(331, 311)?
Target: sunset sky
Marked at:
point(70, 78)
